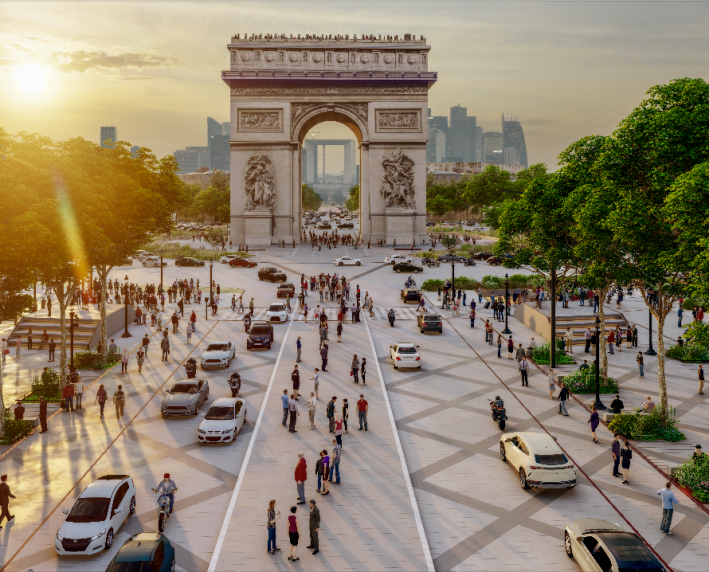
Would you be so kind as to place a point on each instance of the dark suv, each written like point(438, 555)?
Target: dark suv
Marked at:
point(430, 323)
point(271, 275)
point(260, 336)
point(411, 295)
point(285, 290)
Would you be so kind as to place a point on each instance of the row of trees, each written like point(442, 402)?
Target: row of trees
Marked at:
point(631, 207)
point(193, 201)
point(311, 201)
point(70, 207)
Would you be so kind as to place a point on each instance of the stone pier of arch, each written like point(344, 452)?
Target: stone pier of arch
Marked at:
point(281, 88)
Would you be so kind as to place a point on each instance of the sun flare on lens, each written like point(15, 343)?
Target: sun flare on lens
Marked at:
point(30, 78)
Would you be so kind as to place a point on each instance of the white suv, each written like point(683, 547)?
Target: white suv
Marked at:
point(96, 516)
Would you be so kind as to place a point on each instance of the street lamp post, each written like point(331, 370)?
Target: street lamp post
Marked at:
point(552, 349)
point(160, 272)
point(650, 351)
point(126, 295)
point(72, 315)
point(507, 331)
point(597, 404)
point(211, 293)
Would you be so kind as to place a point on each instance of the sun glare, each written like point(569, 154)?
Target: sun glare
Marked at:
point(30, 78)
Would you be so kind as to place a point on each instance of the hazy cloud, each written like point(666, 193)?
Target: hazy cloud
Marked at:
point(136, 77)
point(79, 62)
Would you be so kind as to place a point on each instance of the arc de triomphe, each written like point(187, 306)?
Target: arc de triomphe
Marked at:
point(282, 87)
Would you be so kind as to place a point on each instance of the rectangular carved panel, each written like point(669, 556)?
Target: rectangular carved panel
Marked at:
point(260, 120)
point(401, 120)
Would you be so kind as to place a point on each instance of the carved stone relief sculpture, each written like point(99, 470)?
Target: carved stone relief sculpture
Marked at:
point(260, 183)
point(398, 188)
point(262, 120)
point(398, 120)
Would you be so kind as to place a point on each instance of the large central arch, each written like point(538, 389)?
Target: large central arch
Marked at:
point(282, 87)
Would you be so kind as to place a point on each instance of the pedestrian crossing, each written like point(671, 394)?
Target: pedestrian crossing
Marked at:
point(401, 313)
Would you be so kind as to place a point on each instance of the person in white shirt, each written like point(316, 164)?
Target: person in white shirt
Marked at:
point(569, 340)
point(79, 386)
point(311, 404)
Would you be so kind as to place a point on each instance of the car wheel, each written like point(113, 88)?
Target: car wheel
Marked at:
point(131, 510)
point(109, 540)
point(173, 566)
point(397, 270)
point(523, 482)
point(503, 455)
point(341, 264)
point(567, 545)
point(440, 330)
point(358, 263)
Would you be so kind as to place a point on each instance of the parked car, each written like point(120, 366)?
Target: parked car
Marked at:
point(152, 549)
point(345, 225)
point(242, 263)
point(538, 460)
point(127, 261)
point(348, 261)
point(451, 258)
point(598, 545)
point(285, 290)
point(271, 274)
point(429, 323)
point(495, 261)
point(185, 397)
point(260, 336)
point(153, 262)
point(277, 313)
point(482, 255)
point(218, 354)
point(98, 513)
point(394, 258)
point(188, 261)
point(227, 258)
point(411, 295)
point(405, 354)
point(223, 421)
point(407, 267)
point(143, 254)
point(430, 224)
point(324, 225)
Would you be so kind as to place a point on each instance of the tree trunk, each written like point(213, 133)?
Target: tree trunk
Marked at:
point(2, 405)
point(602, 336)
point(661, 358)
point(102, 272)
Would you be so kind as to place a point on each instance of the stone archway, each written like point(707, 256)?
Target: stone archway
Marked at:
point(281, 87)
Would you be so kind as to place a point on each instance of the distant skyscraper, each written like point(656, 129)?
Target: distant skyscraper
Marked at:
point(492, 147)
point(478, 144)
point(436, 146)
point(514, 147)
point(109, 133)
point(134, 151)
point(188, 161)
point(462, 134)
point(440, 122)
point(216, 129)
point(219, 152)
point(203, 155)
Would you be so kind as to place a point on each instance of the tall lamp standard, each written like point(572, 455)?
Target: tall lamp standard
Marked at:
point(72, 315)
point(650, 351)
point(161, 272)
point(597, 404)
point(507, 331)
point(211, 293)
point(126, 295)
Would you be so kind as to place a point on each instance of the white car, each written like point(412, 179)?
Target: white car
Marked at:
point(277, 312)
point(96, 516)
point(398, 258)
point(538, 460)
point(142, 255)
point(600, 546)
point(153, 261)
point(223, 421)
point(218, 354)
point(227, 258)
point(405, 354)
point(348, 261)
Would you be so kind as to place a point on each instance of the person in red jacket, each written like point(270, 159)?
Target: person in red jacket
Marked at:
point(301, 474)
point(68, 395)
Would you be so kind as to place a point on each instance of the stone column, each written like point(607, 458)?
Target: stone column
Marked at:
point(365, 227)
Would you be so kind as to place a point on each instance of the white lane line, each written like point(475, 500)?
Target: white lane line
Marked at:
point(244, 464)
point(405, 468)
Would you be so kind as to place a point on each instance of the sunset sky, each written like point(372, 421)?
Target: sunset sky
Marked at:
point(566, 69)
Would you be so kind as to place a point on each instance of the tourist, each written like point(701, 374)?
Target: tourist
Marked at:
point(593, 420)
point(295, 378)
point(510, 347)
point(331, 413)
point(326, 472)
point(363, 370)
point(355, 369)
point(271, 517)
point(641, 361)
point(294, 413)
point(552, 383)
point(668, 500)
point(615, 452)
point(314, 527)
point(345, 412)
point(101, 397)
point(293, 534)
point(140, 359)
point(569, 340)
point(499, 345)
point(124, 361)
point(700, 377)
point(626, 455)
point(301, 475)
point(5, 496)
point(362, 410)
point(119, 399)
point(648, 405)
point(311, 404)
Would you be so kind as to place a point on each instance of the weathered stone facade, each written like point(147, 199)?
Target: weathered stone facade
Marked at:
point(282, 87)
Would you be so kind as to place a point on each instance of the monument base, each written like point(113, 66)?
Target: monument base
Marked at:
point(258, 227)
point(401, 226)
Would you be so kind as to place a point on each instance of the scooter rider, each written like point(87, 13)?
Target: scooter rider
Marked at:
point(167, 487)
point(391, 317)
point(247, 323)
point(234, 383)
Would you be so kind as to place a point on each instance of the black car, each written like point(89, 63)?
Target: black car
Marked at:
point(430, 224)
point(430, 323)
point(324, 225)
point(482, 255)
point(406, 267)
point(188, 261)
point(469, 262)
point(451, 258)
point(411, 295)
point(242, 263)
point(271, 275)
point(345, 225)
point(260, 336)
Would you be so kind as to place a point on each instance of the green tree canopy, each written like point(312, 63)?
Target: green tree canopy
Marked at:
point(311, 201)
point(352, 202)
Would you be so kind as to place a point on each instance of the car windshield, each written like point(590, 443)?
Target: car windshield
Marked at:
point(184, 388)
point(144, 566)
point(217, 347)
point(259, 331)
point(275, 308)
point(407, 350)
point(430, 318)
point(558, 459)
point(285, 286)
point(89, 510)
point(220, 413)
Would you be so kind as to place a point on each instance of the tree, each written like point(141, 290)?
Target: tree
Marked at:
point(446, 197)
point(492, 213)
point(311, 201)
point(216, 237)
point(486, 188)
point(352, 203)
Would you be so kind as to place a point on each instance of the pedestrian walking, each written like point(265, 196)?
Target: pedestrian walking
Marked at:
point(298, 347)
point(293, 534)
point(336, 456)
point(611, 342)
point(593, 420)
point(311, 405)
point(124, 361)
point(345, 413)
point(18, 348)
point(5, 496)
point(524, 370)
point(271, 517)
point(52, 349)
point(331, 413)
point(668, 502)
point(320, 471)
point(587, 337)
point(552, 383)
point(362, 410)
point(188, 332)
point(165, 346)
point(339, 428)
point(146, 343)
point(363, 371)
point(510, 347)
point(569, 340)
point(641, 361)
point(626, 455)
point(563, 397)
point(119, 400)
point(355, 369)
point(284, 401)
point(294, 413)
point(140, 359)
point(301, 475)
point(326, 472)
point(499, 345)
point(68, 396)
point(101, 398)
point(700, 377)
point(323, 355)
point(79, 386)
point(29, 339)
point(615, 451)
point(295, 378)
point(314, 526)
point(323, 334)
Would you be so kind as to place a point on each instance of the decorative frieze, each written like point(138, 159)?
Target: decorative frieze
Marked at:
point(260, 120)
point(318, 90)
point(398, 189)
point(398, 120)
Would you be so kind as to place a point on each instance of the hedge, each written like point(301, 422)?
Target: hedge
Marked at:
point(15, 429)
point(694, 473)
point(91, 359)
point(462, 282)
point(584, 381)
point(542, 354)
point(660, 423)
point(175, 250)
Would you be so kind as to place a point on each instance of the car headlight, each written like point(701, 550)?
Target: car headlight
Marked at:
point(202, 431)
point(59, 537)
point(99, 535)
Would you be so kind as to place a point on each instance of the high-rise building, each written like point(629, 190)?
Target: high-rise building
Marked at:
point(492, 147)
point(439, 122)
point(216, 129)
point(134, 151)
point(219, 152)
point(188, 161)
point(514, 147)
point(436, 146)
point(479, 144)
point(462, 134)
point(109, 136)
point(203, 155)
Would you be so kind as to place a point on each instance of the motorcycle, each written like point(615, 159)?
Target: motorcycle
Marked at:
point(247, 323)
point(235, 383)
point(410, 282)
point(191, 368)
point(499, 413)
point(164, 514)
point(391, 317)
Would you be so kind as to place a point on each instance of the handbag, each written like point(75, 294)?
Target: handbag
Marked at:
point(351, 373)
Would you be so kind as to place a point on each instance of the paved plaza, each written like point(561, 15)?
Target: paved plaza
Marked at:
point(424, 488)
